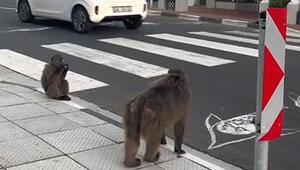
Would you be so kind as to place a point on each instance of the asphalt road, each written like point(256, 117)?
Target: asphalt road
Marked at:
point(218, 93)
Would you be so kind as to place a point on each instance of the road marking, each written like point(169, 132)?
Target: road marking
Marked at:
point(7, 8)
point(150, 23)
point(208, 44)
point(33, 68)
point(250, 34)
point(110, 60)
point(239, 39)
point(235, 22)
point(27, 29)
point(75, 105)
point(187, 56)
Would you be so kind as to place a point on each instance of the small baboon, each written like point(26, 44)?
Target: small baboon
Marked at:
point(165, 104)
point(53, 79)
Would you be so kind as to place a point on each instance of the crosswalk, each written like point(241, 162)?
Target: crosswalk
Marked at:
point(111, 60)
point(242, 45)
point(33, 68)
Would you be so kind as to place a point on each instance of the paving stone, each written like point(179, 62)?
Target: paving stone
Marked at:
point(47, 124)
point(2, 119)
point(20, 79)
point(7, 99)
point(59, 163)
point(58, 107)
point(35, 97)
point(109, 157)
point(76, 140)
point(17, 89)
point(181, 163)
point(84, 119)
point(110, 131)
point(152, 168)
point(10, 131)
point(4, 84)
point(25, 150)
point(4, 71)
point(24, 111)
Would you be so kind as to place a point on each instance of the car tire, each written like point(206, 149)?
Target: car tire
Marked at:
point(133, 24)
point(24, 11)
point(81, 21)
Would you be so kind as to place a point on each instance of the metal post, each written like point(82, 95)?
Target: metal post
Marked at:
point(261, 147)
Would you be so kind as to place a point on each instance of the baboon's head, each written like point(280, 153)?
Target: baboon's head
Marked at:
point(178, 73)
point(57, 60)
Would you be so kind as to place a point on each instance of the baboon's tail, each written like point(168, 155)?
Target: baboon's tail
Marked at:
point(135, 118)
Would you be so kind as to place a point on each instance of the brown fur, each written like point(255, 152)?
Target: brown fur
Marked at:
point(53, 79)
point(165, 104)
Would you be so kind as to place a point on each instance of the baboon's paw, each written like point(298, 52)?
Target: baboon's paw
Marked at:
point(155, 159)
point(134, 163)
point(66, 98)
point(180, 151)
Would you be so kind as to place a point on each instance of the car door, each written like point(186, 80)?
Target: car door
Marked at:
point(52, 8)
point(57, 8)
point(36, 6)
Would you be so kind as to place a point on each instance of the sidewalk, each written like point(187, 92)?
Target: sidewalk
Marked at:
point(225, 16)
point(39, 133)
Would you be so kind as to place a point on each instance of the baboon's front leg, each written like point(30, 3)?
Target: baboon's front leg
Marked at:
point(153, 141)
point(163, 139)
point(179, 131)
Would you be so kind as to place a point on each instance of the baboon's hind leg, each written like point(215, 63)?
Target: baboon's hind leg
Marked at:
point(131, 148)
point(53, 92)
point(178, 132)
point(65, 90)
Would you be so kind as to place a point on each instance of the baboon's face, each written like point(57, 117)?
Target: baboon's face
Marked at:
point(57, 61)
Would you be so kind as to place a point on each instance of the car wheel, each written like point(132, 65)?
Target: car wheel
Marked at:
point(81, 21)
point(24, 11)
point(133, 24)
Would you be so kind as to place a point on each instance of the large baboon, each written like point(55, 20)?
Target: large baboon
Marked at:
point(164, 104)
point(53, 79)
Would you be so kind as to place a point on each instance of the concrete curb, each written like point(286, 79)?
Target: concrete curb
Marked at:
point(238, 23)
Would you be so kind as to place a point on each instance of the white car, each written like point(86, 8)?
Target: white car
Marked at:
point(84, 13)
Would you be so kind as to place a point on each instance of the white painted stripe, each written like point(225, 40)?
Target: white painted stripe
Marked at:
point(294, 40)
point(196, 159)
point(7, 8)
point(189, 17)
point(150, 23)
point(225, 37)
point(72, 104)
point(238, 39)
point(235, 22)
point(28, 29)
point(275, 42)
point(33, 68)
point(273, 108)
point(250, 34)
point(208, 44)
point(110, 60)
point(187, 56)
